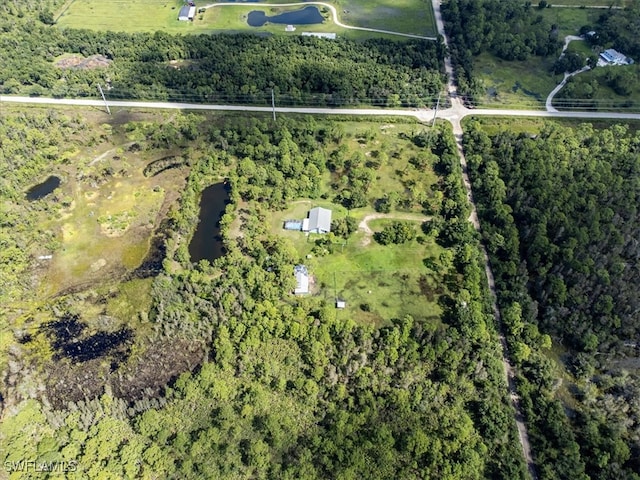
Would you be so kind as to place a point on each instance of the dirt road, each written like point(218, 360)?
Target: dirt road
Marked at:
point(368, 233)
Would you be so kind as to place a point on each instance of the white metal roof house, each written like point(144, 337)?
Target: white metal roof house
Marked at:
point(302, 279)
point(613, 57)
point(188, 12)
point(319, 221)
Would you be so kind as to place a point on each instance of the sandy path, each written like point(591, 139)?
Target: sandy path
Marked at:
point(368, 233)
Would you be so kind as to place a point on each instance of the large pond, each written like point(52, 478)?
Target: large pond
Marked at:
point(207, 243)
point(43, 189)
point(305, 16)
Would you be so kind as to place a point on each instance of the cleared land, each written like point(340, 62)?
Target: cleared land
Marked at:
point(406, 16)
point(515, 84)
point(376, 281)
point(410, 16)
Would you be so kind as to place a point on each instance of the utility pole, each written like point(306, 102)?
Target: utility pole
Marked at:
point(104, 99)
point(436, 112)
point(273, 104)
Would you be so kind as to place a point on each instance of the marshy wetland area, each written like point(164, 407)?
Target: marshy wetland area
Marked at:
point(82, 243)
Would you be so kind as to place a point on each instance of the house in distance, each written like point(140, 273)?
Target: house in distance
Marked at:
point(318, 221)
point(613, 57)
point(187, 12)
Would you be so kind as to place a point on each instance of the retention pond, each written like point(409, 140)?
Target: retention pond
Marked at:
point(207, 243)
point(305, 16)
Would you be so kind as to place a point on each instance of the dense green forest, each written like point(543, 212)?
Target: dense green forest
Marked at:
point(239, 68)
point(560, 221)
point(510, 30)
point(286, 388)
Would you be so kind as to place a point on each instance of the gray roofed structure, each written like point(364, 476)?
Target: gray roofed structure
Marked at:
point(319, 220)
point(302, 279)
point(188, 12)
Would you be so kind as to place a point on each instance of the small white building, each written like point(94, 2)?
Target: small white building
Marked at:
point(290, 28)
point(302, 280)
point(187, 13)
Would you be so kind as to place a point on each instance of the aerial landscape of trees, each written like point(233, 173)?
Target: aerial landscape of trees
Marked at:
point(121, 357)
point(561, 228)
point(285, 389)
point(240, 68)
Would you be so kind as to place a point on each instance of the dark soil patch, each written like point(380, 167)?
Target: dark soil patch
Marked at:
point(71, 341)
point(427, 289)
point(143, 377)
point(152, 263)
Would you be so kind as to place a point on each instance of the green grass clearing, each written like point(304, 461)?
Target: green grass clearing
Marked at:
point(406, 16)
point(570, 20)
point(515, 84)
point(410, 16)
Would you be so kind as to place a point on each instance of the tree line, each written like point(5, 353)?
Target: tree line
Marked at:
point(240, 68)
point(288, 389)
point(560, 222)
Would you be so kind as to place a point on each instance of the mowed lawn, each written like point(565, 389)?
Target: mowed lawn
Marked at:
point(125, 16)
point(403, 16)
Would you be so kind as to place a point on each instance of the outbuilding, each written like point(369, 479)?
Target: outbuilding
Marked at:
point(187, 13)
point(302, 280)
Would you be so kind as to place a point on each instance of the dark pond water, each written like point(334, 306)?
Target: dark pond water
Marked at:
point(43, 189)
point(306, 16)
point(207, 243)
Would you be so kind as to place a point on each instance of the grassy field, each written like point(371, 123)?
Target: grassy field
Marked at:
point(108, 213)
point(408, 16)
point(515, 84)
point(569, 20)
point(375, 281)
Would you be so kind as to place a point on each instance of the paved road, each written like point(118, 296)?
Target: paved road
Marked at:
point(333, 10)
point(455, 113)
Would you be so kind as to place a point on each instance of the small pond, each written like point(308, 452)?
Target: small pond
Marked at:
point(43, 189)
point(305, 16)
point(207, 243)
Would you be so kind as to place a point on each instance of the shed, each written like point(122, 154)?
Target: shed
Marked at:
point(188, 12)
point(290, 28)
point(341, 304)
point(319, 221)
point(302, 279)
